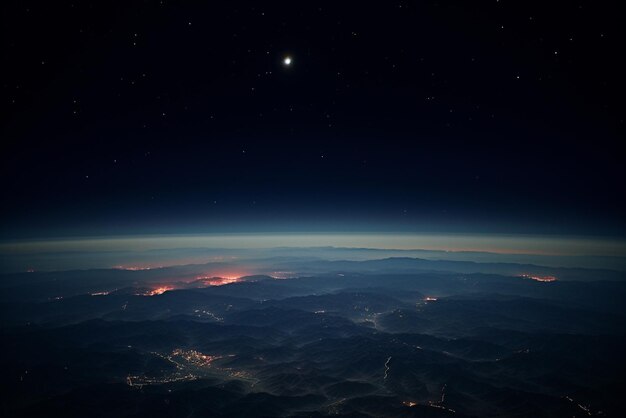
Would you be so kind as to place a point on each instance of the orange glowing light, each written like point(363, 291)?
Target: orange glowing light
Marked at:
point(218, 280)
point(545, 279)
point(159, 290)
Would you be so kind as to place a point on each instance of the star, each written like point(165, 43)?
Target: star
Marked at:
point(287, 61)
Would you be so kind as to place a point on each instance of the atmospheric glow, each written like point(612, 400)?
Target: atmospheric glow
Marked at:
point(501, 244)
point(237, 251)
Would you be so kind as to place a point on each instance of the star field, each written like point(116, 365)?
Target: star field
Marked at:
point(145, 116)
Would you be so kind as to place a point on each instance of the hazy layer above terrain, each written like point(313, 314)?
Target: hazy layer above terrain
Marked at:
point(156, 251)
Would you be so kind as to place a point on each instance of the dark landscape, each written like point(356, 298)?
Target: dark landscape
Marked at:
point(384, 337)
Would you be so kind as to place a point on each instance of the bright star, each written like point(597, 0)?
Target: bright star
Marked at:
point(287, 61)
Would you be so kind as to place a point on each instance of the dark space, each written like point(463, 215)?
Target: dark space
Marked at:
point(131, 117)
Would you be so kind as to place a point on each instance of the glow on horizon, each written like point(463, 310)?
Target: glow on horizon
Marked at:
point(493, 243)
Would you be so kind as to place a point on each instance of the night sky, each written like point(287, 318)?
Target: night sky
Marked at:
point(162, 116)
